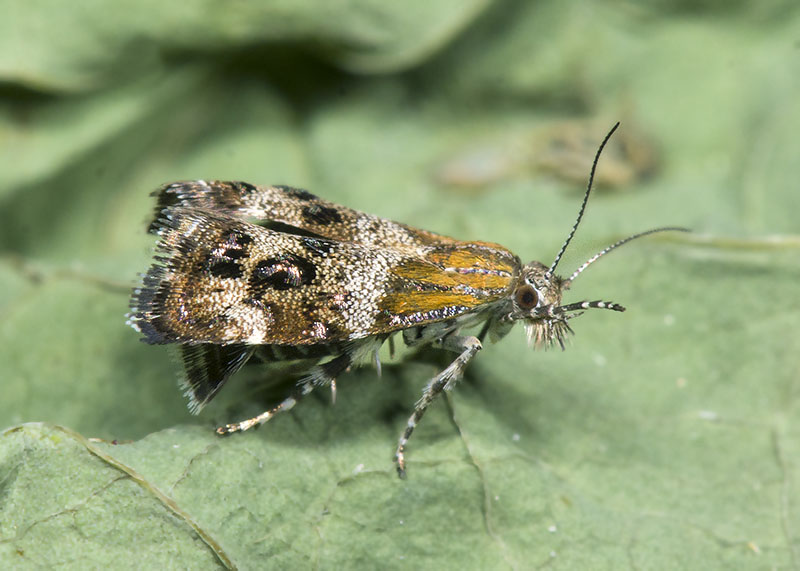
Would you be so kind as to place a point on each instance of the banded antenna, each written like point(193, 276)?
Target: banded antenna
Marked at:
point(585, 200)
point(613, 246)
point(616, 245)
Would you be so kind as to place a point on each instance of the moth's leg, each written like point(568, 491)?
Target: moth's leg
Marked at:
point(351, 353)
point(467, 346)
point(326, 373)
point(319, 375)
point(287, 404)
point(376, 358)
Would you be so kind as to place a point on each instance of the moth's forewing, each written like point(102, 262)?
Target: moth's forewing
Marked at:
point(294, 211)
point(222, 280)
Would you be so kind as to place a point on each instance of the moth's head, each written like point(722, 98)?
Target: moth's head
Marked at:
point(536, 299)
point(537, 302)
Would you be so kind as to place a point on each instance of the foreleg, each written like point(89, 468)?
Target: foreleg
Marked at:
point(467, 347)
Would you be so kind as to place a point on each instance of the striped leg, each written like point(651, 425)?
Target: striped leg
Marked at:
point(320, 375)
point(467, 346)
point(287, 404)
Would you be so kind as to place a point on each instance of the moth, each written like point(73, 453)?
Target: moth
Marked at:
point(277, 273)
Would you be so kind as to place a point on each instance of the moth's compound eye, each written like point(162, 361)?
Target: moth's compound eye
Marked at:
point(526, 297)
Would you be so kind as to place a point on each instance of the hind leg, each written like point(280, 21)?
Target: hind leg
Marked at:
point(324, 374)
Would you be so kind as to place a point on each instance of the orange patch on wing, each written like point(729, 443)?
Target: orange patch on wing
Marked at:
point(472, 265)
point(450, 280)
point(473, 256)
point(421, 271)
point(474, 277)
point(410, 302)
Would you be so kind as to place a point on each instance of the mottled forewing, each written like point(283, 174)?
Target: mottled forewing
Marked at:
point(221, 280)
point(294, 210)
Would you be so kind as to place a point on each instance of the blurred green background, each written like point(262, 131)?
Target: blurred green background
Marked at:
point(664, 437)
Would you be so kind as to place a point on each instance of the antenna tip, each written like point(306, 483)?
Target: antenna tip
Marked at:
point(553, 266)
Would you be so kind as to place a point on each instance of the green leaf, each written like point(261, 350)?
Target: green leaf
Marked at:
point(86, 45)
point(664, 437)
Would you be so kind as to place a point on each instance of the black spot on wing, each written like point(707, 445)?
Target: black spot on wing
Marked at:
point(237, 240)
point(317, 246)
point(282, 273)
point(284, 228)
point(298, 193)
point(236, 245)
point(223, 261)
point(226, 269)
point(322, 215)
point(243, 187)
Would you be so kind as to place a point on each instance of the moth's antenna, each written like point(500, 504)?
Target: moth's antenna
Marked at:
point(585, 200)
point(616, 245)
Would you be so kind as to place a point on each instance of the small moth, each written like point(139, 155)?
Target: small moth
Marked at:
point(276, 273)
